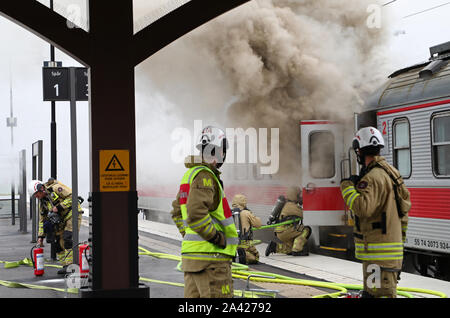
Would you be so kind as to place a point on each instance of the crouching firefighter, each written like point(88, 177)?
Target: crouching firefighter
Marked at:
point(203, 217)
point(55, 217)
point(379, 203)
point(246, 220)
point(294, 236)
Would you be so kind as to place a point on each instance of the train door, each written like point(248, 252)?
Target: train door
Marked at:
point(322, 155)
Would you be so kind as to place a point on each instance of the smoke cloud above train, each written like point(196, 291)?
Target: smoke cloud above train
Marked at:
point(267, 64)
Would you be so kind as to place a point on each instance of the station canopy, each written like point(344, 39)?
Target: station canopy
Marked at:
point(145, 12)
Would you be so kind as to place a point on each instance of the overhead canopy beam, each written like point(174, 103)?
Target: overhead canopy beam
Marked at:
point(177, 23)
point(48, 25)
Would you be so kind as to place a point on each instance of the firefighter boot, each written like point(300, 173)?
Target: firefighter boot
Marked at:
point(303, 252)
point(271, 248)
point(241, 256)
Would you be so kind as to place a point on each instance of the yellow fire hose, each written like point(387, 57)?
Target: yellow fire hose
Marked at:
point(239, 271)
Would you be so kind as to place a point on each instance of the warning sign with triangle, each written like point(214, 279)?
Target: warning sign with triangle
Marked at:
point(114, 165)
point(114, 170)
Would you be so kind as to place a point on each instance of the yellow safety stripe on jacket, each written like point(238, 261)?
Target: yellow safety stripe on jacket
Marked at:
point(41, 229)
point(204, 222)
point(347, 190)
point(68, 216)
point(179, 223)
point(350, 194)
point(65, 203)
point(379, 251)
point(195, 246)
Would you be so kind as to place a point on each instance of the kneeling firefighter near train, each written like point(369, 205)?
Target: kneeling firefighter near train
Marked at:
point(246, 220)
point(204, 219)
point(55, 217)
point(294, 235)
point(379, 203)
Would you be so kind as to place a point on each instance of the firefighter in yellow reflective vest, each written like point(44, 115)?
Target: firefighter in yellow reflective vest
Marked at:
point(380, 218)
point(248, 254)
point(55, 217)
point(203, 217)
point(293, 236)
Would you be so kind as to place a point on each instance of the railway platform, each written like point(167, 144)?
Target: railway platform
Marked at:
point(160, 245)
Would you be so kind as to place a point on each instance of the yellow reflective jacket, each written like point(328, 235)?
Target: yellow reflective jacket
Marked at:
point(199, 211)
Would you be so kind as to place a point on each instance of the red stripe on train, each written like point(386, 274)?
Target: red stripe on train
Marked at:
point(403, 109)
point(430, 203)
point(323, 199)
point(317, 122)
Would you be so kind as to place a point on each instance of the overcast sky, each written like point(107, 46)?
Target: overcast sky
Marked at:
point(24, 53)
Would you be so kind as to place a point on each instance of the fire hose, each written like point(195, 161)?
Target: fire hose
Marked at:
point(239, 271)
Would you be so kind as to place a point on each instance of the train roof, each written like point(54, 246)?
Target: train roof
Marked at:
point(429, 80)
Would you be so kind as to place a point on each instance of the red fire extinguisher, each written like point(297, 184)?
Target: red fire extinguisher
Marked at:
point(38, 260)
point(83, 259)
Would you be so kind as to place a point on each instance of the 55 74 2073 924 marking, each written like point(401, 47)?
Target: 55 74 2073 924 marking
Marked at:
point(434, 244)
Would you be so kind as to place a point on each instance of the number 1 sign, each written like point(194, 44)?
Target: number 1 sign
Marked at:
point(57, 83)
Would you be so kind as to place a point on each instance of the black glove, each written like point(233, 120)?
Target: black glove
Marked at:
point(219, 240)
point(353, 178)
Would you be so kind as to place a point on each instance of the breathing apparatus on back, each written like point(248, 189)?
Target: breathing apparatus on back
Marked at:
point(276, 211)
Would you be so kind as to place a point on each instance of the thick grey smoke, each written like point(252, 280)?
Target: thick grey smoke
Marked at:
point(296, 60)
point(279, 62)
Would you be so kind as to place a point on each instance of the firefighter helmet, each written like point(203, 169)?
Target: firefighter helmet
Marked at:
point(35, 186)
point(239, 200)
point(293, 194)
point(368, 137)
point(367, 141)
point(212, 142)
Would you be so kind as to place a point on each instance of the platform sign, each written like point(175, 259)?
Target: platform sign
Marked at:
point(56, 83)
point(114, 170)
point(82, 87)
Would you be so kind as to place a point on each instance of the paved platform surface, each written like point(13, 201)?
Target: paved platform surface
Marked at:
point(318, 266)
point(162, 237)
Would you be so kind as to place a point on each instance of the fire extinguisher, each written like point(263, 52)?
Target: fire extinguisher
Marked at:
point(83, 260)
point(37, 258)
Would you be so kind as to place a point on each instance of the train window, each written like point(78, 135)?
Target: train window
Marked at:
point(402, 148)
point(321, 155)
point(441, 145)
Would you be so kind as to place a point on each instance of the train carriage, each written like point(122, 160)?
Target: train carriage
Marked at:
point(413, 113)
point(412, 110)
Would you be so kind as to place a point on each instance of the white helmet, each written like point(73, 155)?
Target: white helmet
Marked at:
point(366, 137)
point(211, 139)
point(35, 186)
point(369, 141)
point(212, 135)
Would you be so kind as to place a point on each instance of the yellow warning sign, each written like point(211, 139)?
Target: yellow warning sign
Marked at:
point(114, 170)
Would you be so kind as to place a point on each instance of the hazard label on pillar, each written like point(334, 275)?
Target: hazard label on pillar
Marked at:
point(114, 170)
